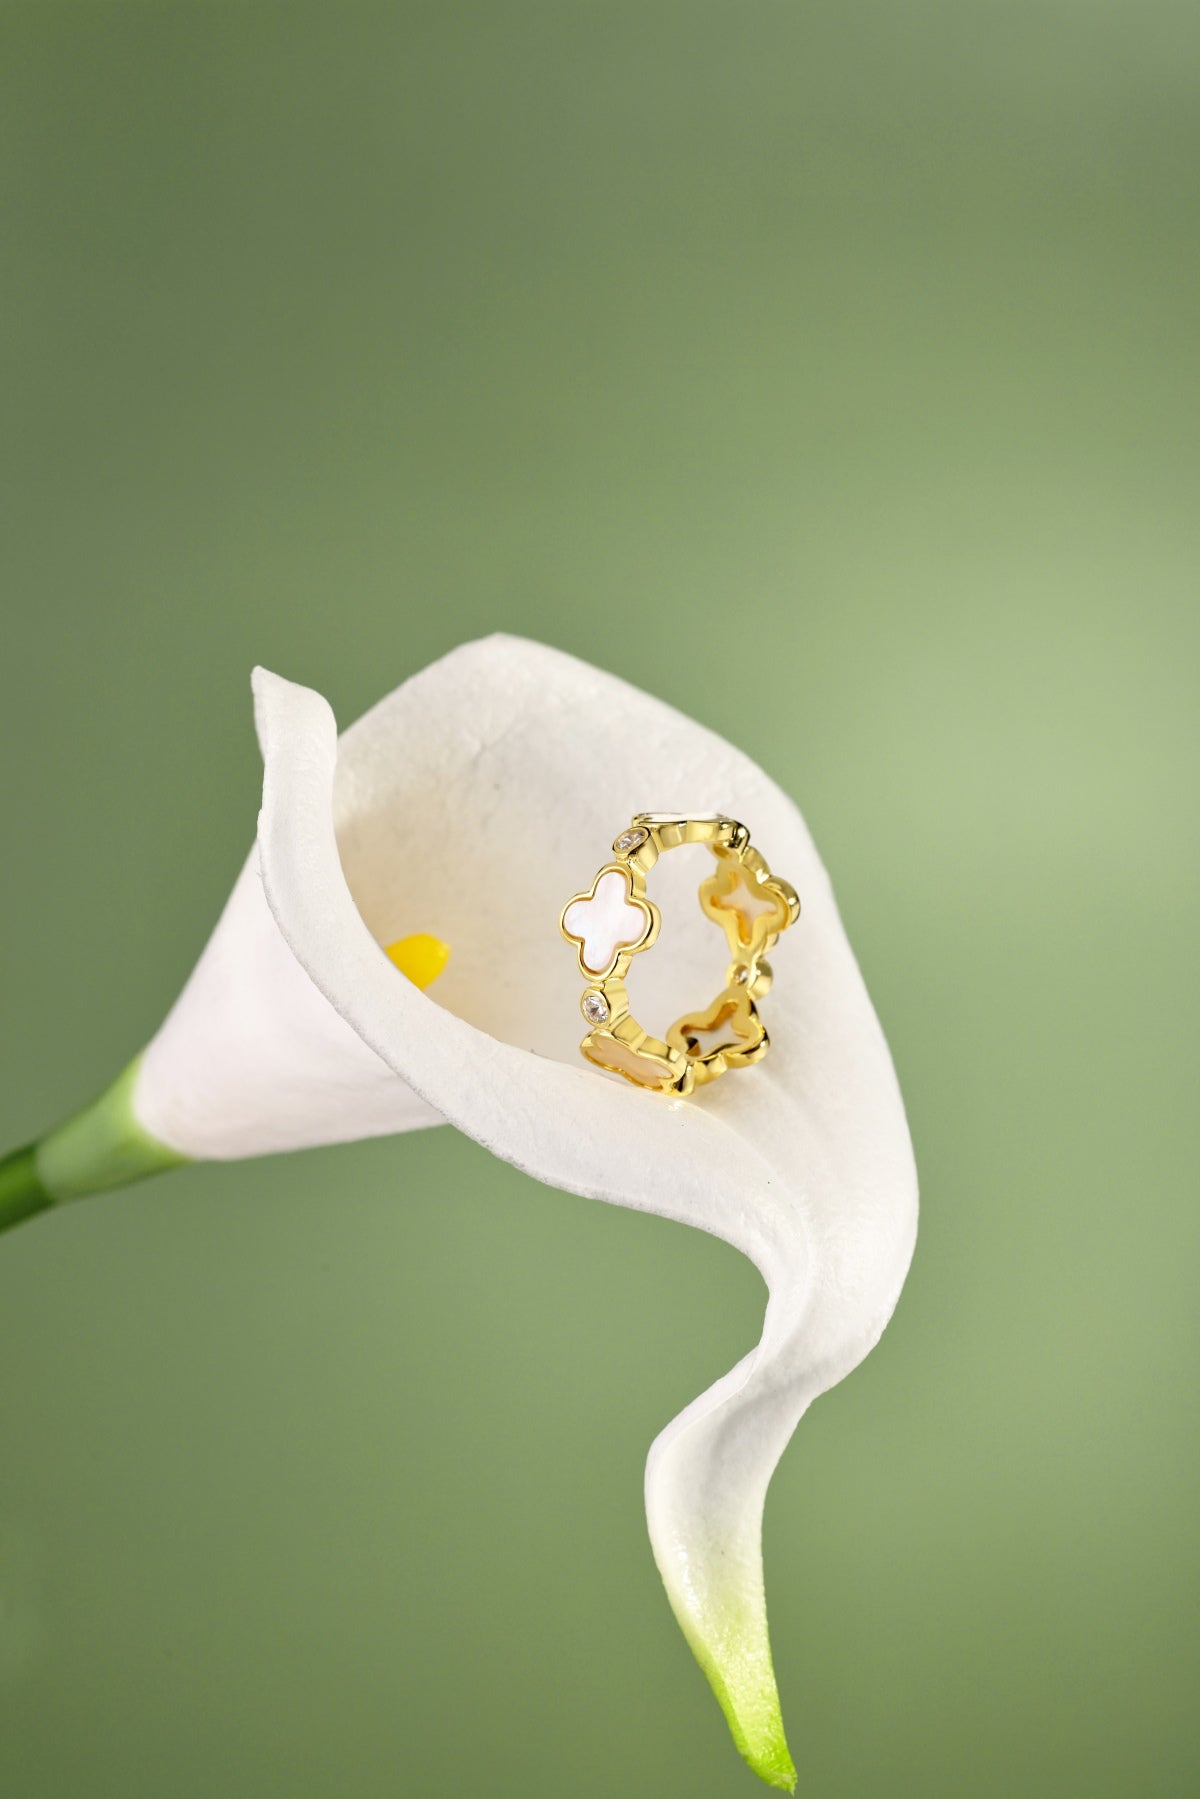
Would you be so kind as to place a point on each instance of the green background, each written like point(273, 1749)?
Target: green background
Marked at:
point(832, 371)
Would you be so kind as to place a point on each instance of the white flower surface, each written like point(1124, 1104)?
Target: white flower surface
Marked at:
point(471, 803)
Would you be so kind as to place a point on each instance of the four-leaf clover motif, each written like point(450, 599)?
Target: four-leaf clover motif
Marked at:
point(608, 918)
point(749, 904)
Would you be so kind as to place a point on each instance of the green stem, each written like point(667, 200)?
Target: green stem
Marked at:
point(101, 1147)
point(21, 1193)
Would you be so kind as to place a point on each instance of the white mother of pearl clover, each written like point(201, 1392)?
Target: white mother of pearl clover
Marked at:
point(606, 920)
point(296, 1029)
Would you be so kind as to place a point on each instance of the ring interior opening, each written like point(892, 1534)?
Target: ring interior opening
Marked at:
point(686, 968)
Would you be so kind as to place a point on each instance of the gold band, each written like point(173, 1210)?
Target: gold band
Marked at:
point(613, 921)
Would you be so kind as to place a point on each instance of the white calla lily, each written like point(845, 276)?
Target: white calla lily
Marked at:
point(472, 802)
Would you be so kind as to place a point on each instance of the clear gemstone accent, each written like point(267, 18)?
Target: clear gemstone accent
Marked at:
point(595, 1007)
point(630, 840)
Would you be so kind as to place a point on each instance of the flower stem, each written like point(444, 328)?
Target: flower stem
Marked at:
point(101, 1147)
point(21, 1192)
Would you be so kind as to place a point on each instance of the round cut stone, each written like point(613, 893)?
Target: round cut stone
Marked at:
point(630, 840)
point(595, 1007)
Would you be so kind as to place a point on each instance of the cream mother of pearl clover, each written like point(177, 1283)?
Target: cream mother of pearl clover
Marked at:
point(608, 919)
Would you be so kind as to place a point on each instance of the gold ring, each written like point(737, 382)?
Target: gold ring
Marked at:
point(613, 921)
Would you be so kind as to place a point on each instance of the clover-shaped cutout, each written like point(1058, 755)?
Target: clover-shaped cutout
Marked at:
point(608, 919)
point(730, 1028)
point(751, 907)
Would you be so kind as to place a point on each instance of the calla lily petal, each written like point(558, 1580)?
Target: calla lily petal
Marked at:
point(253, 1059)
point(471, 801)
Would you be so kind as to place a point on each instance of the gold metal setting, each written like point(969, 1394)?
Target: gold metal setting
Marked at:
point(612, 921)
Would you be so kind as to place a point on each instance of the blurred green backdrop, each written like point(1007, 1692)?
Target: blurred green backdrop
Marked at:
point(832, 370)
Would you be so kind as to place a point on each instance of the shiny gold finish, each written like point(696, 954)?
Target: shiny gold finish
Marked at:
point(752, 906)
